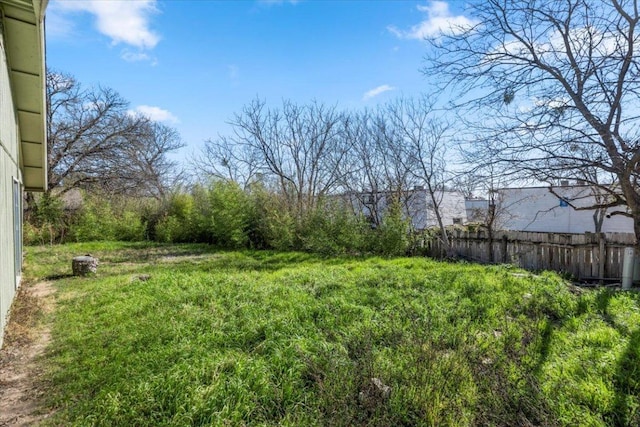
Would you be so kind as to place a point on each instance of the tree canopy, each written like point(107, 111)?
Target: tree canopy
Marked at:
point(555, 86)
point(94, 140)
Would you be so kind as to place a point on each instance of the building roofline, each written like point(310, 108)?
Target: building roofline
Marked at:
point(535, 187)
point(23, 28)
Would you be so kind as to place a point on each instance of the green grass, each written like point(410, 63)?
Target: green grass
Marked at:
point(264, 339)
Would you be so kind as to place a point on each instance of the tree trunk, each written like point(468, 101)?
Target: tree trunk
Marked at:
point(84, 265)
point(443, 231)
point(490, 224)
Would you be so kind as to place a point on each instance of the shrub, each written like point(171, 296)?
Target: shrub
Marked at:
point(231, 214)
point(224, 214)
point(48, 223)
point(174, 220)
point(332, 229)
point(275, 223)
point(45, 233)
point(168, 229)
point(200, 214)
point(392, 237)
point(96, 221)
point(130, 227)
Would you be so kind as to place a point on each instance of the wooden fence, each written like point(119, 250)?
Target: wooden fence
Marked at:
point(589, 256)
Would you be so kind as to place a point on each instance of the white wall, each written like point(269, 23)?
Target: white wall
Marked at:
point(418, 207)
point(8, 171)
point(537, 209)
point(452, 206)
point(476, 209)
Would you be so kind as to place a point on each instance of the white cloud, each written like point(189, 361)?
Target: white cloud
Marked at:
point(553, 103)
point(130, 56)
point(584, 43)
point(123, 21)
point(156, 114)
point(439, 21)
point(377, 91)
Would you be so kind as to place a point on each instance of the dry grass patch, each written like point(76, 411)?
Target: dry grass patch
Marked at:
point(22, 384)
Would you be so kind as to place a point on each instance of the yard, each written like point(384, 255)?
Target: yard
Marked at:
point(188, 335)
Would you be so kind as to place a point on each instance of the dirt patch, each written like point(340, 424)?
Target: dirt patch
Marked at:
point(27, 336)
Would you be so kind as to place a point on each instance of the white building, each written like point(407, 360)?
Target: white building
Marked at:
point(538, 209)
point(416, 204)
point(476, 209)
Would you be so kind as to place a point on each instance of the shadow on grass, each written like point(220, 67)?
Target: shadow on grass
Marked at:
point(626, 408)
point(626, 382)
point(545, 345)
point(510, 389)
point(141, 257)
point(54, 277)
point(602, 304)
point(207, 258)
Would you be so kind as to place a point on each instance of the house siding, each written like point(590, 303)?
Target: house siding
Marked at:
point(417, 207)
point(9, 172)
point(476, 209)
point(537, 209)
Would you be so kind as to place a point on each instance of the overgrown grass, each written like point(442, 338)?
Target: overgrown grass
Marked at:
point(261, 338)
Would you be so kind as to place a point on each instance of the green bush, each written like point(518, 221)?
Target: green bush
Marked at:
point(49, 223)
point(48, 209)
point(31, 234)
point(276, 224)
point(96, 221)
point(392, 237)
point(45, 233)
point(168, 229)
point(333, 229)
point(223, 214)
point(200, 214)
point(130, 227)
point(96, 217)
point(231, 214)
point(173, 219)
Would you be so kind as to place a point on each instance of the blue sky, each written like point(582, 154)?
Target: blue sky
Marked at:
point(193, 63)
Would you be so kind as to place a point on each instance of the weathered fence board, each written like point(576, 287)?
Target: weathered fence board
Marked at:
point(588, 256)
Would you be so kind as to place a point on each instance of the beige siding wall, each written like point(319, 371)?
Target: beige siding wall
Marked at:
point(9, 170)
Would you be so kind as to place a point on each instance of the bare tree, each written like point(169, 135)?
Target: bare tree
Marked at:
point(422, 139)
point(490, 181)
point(223, 158)
point(93, 140)
point(467, 183)
point(147, 170)
point(375, 157)
point(361, 171)
point(300, 146)
point(556, 83)
point(377, 170)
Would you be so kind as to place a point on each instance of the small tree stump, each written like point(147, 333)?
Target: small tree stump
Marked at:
point(83, 265)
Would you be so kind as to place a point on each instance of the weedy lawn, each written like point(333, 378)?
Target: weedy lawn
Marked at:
point(264, 339)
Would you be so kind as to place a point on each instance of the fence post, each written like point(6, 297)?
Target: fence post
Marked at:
point(504, 249)
point(602, 255)
point(627, 267)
